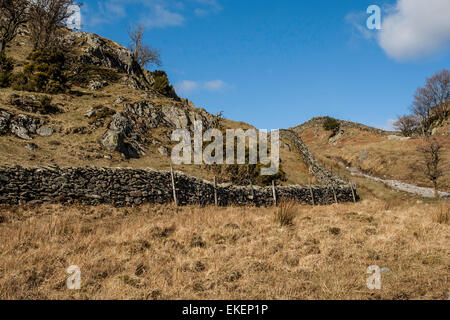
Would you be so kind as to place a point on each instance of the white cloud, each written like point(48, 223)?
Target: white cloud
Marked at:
point(187, 86)
point(411, 29)
point(416, 28)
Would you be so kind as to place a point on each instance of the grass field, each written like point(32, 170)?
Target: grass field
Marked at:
point(163, 252)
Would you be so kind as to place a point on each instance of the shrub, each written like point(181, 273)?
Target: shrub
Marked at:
point(162, 83)
point(6, 67)
point(331, 124)
point(44, 73)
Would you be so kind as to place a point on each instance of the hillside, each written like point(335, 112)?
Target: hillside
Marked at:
point(115, 114)
point(376, 152)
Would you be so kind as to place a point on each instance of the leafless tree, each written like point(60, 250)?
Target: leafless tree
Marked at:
point(46, 17)
point(432, 99)
point(143, 54)
point(13, 14)
point(439, 88)
point(406, 124)
point(431, 163)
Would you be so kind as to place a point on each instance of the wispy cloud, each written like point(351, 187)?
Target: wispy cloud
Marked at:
point(152, 13)
point(187, 86)
point(207, 7)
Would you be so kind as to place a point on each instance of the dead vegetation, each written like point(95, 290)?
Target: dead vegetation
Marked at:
point(163, 252)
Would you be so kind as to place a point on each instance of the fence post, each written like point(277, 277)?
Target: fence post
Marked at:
point(312, 193)
point(252, 191)
point(173, 186)
point(334, 193)
point(274, 193)
point(215, 192)
point(353, 192)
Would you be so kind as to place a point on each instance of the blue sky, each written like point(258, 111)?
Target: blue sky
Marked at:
point(276, 64)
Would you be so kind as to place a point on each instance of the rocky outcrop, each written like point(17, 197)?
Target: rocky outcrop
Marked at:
point(125, 136)
point(22, 126)
point(99, 51)
point(127, 130)
point(128, 187)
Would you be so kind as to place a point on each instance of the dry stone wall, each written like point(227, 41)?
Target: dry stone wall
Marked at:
point(128, 187)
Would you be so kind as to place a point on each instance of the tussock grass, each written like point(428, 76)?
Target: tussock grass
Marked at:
point(285, 214)
point(164, 252)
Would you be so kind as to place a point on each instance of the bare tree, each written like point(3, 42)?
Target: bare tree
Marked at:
point(46, 17)
point(439, 88)
point(143, 54)
point(13, 14)
point(431, 164)
point(406, 124)
point(432, 99)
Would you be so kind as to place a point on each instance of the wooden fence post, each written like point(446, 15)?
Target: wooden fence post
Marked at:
point(312, 193)
point(353, 192)
point(215, 192)
point(334, 193)
point(274, 193)
point(173, 186)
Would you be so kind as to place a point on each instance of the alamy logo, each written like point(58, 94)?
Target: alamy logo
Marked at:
point(73, 282)
point(374, 281)
point(374, 20)
point(74, 20)
point(213, 153)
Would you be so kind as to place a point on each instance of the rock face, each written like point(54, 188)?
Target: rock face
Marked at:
point(126, 132)
point(124, 136)
point(106, 53)
point(129, 187)
point(23, 126)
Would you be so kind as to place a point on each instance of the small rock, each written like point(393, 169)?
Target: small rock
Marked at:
point(45, 131)
point(90, 113)
point(97, 85)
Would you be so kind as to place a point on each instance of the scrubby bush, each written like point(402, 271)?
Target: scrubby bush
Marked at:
point(44, 73)
point(331, 124)
point(162, 83)
point(6, 68)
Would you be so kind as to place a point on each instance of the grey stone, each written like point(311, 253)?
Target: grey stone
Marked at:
point(45, 131)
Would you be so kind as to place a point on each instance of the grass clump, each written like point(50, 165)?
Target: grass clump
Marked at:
point(285, 214)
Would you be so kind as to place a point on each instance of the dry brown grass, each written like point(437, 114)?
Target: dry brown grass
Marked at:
point(162, 252)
